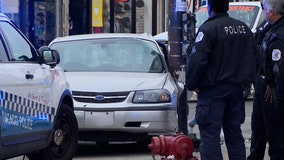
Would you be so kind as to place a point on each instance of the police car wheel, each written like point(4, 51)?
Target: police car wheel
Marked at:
point(64, 141)
point(65, 137)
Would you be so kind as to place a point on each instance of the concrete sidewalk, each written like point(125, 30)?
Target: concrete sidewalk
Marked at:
point(246, 129)
point(225, 153)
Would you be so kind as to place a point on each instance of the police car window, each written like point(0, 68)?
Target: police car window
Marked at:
point(201, 16)
point(261, 19)
point(19, 47)
point(3, 54)
point(244, 13)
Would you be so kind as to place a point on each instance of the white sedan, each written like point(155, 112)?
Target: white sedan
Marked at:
point(121, 86)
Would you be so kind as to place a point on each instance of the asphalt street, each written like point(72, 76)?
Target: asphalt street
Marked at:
point(132, 151)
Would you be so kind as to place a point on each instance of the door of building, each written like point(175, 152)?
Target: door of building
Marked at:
point(118, 16)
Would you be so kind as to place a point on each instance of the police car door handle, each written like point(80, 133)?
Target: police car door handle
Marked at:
point(29, 76)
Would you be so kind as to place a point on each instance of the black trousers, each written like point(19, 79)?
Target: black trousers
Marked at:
point(266, 126)
point(221, 106)
point(258, 120)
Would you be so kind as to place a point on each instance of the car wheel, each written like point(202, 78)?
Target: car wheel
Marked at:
point(64, 141)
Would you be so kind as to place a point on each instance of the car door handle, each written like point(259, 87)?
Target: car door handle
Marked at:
point(29, 76)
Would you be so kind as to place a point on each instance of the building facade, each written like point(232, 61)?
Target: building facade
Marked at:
point(43, 20)
point(40, 20)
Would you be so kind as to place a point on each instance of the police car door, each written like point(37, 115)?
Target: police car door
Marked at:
point(25, 90)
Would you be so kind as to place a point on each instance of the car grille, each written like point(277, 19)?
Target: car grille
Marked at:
point(99, 97)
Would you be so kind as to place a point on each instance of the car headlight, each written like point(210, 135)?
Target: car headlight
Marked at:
point(152, 96)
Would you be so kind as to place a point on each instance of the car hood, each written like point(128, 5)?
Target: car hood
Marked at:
point(115, 81)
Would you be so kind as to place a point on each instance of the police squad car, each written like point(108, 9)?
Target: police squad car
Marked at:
point(248, 12)
point(36, 108)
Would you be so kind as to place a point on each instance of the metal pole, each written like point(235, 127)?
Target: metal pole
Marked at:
point(176, 61)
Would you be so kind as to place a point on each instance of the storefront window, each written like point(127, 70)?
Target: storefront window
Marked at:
point(140, 16)
point(39, 23)
point(116, 14)
point(122, 16)
point(106, 16)
point(119, 16)
point(50, 20)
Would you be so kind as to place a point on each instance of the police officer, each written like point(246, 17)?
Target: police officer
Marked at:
point(272, 51)
point(222, 59)
point(259, 118)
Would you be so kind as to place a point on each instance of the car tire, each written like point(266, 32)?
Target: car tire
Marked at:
point(64, 146)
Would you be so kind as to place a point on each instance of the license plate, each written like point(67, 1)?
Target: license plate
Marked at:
point(99, 118)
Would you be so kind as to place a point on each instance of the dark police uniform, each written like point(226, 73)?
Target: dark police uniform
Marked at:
point(272, 51)
point(221, 60)
point(259, 118)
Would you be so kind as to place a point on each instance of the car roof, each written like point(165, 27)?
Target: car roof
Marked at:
point(162, 36)
point(254, 3)
point(145, 36)
point(250, 3)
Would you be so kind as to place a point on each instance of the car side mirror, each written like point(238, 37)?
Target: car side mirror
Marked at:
point(49, 56)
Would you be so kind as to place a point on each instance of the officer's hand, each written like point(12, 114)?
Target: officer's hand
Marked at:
point(197, 90)
point(269, 94)
point(246, 86)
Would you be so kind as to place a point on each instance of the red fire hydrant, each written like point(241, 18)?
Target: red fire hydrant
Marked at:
point(179, 146)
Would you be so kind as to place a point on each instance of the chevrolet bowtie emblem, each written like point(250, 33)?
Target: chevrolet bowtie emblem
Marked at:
point(99, 97)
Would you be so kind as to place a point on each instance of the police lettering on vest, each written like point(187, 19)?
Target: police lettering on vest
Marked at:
point(235, 29)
